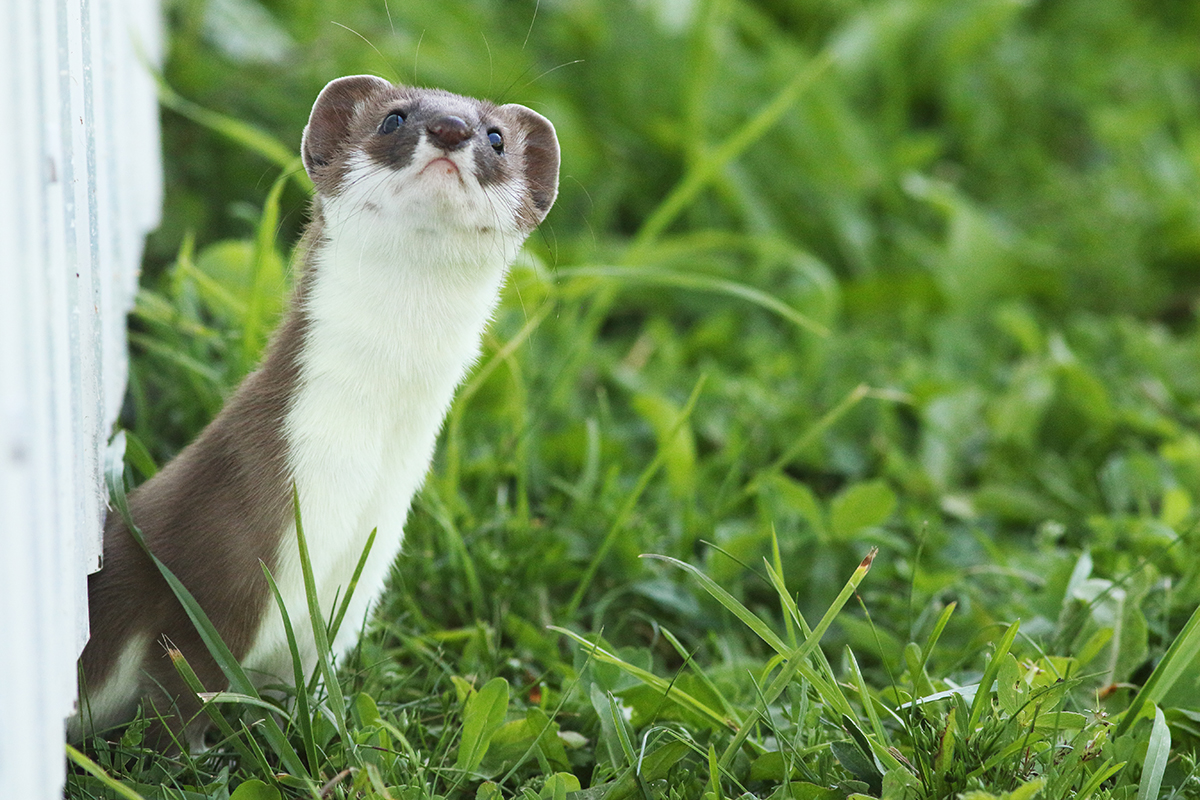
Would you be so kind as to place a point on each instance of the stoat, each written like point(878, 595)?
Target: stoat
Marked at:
point(423, 199)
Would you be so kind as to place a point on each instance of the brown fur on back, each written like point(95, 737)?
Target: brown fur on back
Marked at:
point(211, 515)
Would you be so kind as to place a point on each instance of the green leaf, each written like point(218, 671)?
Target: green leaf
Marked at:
point(797, 497)
point(557, 786)
point(534, 735)
point(483, 715)
point(802, 790)
point(223, 276)
point(255, 790)
point(899, 784)
point(488, 791)
point(367, 710)
point(863, 505)
point(1009, 685)
point(1026, 791)
point(675, 438)
point(770, 766)
point(859, 764)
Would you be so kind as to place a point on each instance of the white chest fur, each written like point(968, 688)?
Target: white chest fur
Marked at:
point(395, 314)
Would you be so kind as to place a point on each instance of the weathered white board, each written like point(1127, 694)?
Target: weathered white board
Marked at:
point(80, 186)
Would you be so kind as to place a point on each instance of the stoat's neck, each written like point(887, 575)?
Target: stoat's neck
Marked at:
point(394, 321)
point(442, 278)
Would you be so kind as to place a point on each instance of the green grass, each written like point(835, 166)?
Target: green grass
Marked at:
point(822, 278)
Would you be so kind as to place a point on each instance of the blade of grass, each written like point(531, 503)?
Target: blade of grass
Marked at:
point(796, 658)
point(214, 292)
point(826, 683)
point(704, 171)
point(936, 633)
point(652, 767)
point(268, 274)
point(989, 675)
point(303, 713)
point(628, 276)
point(94, 769)
point(774, 569)
point(321, 636)
point(259, 756)
point(138, 454)
point(433, 503)
point(1176, 663)
point(731, 603)
point(336, 625)
point(1106, 771)
point(649, 678)
point(450, 474)
point(827, 687)
point(627, 746)
point(868, 702)
point(618, 723)
point(714, 774)
point(192, 365)
point(248, 136)
point(193, 682)
point(856, 396)
point(690, 662)
point(1158, 750)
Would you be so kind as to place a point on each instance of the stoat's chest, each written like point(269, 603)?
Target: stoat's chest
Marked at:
point(386, 342)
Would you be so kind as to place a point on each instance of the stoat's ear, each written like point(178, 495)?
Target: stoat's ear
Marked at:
point(332, 116)
point(539, 157)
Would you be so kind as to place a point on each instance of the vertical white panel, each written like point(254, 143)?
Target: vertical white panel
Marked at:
point(80, 189)
point(22, 463)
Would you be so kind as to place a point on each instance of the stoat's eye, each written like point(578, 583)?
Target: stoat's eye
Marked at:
point(496, 140)
point(391, 122)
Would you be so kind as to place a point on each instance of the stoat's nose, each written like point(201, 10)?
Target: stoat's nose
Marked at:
point(448, 132)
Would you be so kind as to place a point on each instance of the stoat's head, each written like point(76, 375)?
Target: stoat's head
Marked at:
point(428, 160)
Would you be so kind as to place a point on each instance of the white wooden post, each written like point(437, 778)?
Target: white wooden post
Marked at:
point(80, 186)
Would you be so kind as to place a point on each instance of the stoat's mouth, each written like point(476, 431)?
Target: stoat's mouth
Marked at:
point(442, 165)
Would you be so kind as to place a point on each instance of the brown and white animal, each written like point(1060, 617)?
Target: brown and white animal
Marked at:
point(423, 199)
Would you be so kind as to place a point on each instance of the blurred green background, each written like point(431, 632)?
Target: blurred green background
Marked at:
point(991, 149)
point(981, 218)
